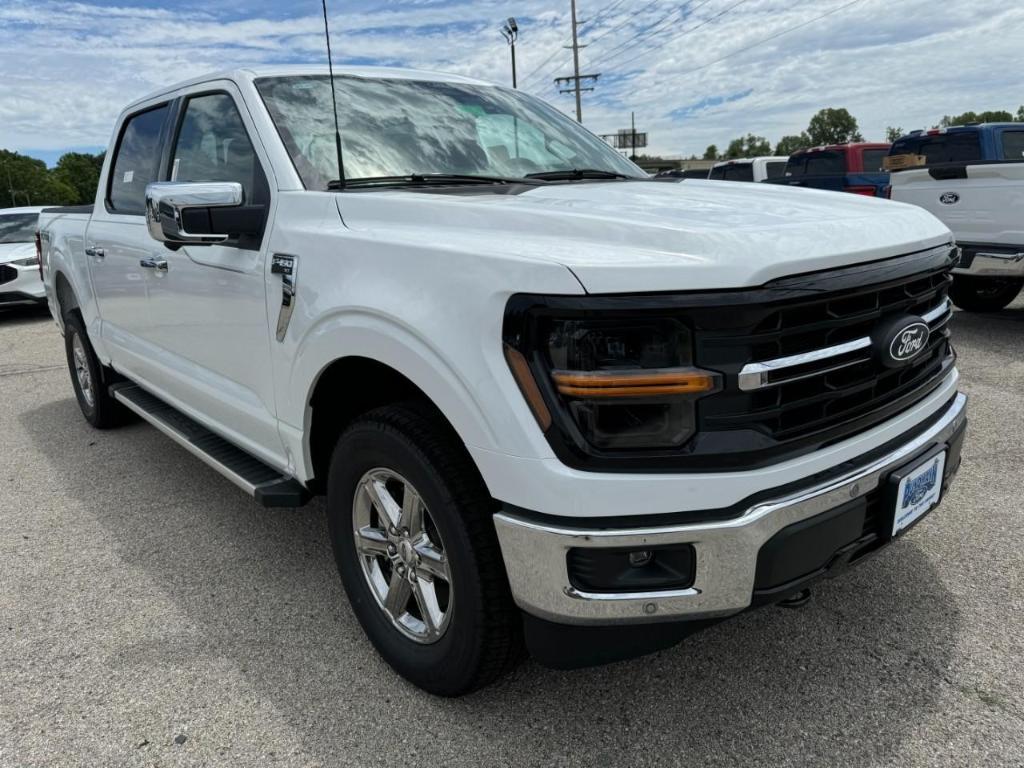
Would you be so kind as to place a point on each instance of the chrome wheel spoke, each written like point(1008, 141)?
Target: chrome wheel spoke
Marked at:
point(430, 611)
point(372, 541)
point(383, 502)
point(412, 512)
point(432, 560)
point(399, 591)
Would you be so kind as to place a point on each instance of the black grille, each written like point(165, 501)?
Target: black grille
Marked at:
point(828, 398)
point(7, 273)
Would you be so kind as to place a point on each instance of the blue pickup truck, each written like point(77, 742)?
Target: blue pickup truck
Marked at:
point(972, 143)
point(855, 168)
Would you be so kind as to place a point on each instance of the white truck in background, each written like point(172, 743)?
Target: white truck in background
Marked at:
point(547, 398)
point(748, 169)
point(972, 178)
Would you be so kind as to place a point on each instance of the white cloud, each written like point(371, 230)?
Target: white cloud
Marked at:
point(66, 69)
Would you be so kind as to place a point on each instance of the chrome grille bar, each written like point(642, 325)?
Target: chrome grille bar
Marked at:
point(755, 376)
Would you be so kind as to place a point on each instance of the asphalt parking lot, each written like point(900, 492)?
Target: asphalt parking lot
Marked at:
point(153, 615)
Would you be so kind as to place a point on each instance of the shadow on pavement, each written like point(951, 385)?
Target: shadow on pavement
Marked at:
point(23, 314)
point(846, 678)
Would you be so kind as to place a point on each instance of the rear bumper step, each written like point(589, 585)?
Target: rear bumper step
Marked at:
point(266, 484)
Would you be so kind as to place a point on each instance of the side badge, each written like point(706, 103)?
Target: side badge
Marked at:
point(288, 268)
point(949, 198)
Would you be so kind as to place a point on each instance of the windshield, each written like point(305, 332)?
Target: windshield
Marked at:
point(392, 127)
point(18, 227)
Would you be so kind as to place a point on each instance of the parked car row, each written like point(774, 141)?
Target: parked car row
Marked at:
point(971, 177)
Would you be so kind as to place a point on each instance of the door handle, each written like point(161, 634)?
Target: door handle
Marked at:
point(96, 253)
point(152, 263)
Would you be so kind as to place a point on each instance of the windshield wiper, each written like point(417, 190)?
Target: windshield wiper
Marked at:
point(578, 173)
point(423, 179)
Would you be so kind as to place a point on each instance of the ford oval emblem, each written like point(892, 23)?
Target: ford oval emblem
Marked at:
point(949, 198)
point(909, 341)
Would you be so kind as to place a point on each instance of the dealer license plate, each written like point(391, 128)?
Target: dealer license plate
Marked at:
point(918, 492)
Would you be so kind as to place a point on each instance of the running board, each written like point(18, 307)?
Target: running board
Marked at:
point(268, 486)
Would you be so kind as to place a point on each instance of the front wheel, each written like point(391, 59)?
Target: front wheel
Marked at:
point(984, 294)
point(412, 531)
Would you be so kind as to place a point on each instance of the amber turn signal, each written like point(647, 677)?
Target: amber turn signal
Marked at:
point(528, 386)
point(683, 381)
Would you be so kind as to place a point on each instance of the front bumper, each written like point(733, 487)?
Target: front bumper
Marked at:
point(20, 285)
point(990, 261)
point(727, 551)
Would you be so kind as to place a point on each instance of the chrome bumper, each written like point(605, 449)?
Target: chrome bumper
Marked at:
point(726, 551)
point(994, 264)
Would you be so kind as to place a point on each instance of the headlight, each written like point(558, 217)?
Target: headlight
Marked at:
point(610, 383)
point(30, 262)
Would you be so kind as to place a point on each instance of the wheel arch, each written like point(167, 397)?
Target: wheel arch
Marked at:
point(376, 384)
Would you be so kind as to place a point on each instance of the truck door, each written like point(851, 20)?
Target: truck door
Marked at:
point(116, 240)
point(207, 304)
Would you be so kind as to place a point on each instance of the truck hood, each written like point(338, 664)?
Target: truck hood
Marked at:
point(16, 251)
point(620, 237)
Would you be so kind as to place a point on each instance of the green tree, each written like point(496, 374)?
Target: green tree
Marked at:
point(1020, 114)
point(80, 171)
point(711, 153)
point(748, 146)
point(789, 144)
point(988, 116)
point(892, 133)
point(27, 181)
point(833, 126)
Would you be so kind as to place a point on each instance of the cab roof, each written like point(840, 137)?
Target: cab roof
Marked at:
point(248, 74)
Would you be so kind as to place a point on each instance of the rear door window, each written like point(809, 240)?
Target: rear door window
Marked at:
point(137, 162)
point(775, 169)
point(1013, 145)
point(816, 164)
point(872, 160)
point(959, 147)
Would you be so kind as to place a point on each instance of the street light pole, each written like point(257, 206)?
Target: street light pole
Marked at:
point(511, 33)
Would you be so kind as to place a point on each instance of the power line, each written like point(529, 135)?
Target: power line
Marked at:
point(674, 38)
point(665, 23)
point(770, 38)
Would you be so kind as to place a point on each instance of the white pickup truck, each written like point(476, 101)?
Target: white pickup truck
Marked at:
point(547, 398)
point(970, 177)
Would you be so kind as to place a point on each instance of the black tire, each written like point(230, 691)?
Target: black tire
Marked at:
point(98, 407)
point(984, 294)
point(483, 636)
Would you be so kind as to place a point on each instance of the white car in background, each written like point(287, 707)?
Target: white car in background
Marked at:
point(20, 282)
point(748, 169)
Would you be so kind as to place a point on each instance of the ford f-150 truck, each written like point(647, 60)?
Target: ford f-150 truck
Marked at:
point(547, 398)
point(972, 178)
point(855, 168)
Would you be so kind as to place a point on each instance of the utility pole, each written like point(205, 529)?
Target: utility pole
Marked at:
point(576, 78)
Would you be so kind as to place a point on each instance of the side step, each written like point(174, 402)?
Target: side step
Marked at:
point(268, 486)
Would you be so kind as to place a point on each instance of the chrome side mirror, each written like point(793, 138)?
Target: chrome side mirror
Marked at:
point(179, 212)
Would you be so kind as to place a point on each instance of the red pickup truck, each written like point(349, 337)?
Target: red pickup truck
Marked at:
point(853, 168)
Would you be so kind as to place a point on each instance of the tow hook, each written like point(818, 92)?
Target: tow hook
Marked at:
point(799, 600)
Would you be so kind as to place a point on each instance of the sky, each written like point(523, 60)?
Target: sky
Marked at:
point(695, 73)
